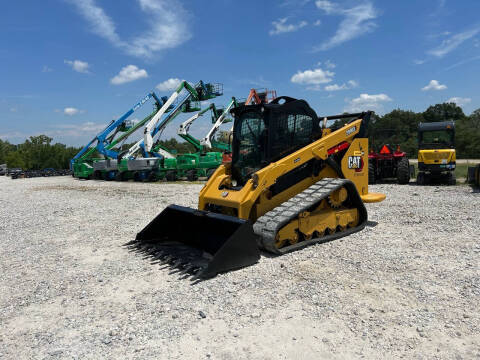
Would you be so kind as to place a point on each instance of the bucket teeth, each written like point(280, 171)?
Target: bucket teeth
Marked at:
point(196, 276)
point(130, 243)
point(167, 259)
point(212, 243)
point(177, 263)
point(187, 269)
point(145, 247)
point(152, 252)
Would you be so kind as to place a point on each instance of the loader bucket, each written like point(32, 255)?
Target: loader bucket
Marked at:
point(199, 243)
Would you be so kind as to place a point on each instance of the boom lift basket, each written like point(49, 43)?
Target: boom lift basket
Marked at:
point(198, 242)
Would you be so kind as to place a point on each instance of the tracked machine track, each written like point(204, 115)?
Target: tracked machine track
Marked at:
point(303, 205)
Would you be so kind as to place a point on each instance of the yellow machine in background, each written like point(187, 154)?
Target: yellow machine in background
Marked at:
point(291, 183)
point(436, 152)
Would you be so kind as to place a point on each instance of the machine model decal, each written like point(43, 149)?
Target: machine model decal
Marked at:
point(351, 130)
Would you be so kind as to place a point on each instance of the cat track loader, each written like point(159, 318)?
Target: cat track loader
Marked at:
point(292, 182)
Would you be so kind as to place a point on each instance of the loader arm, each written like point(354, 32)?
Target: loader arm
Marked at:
point(248, 196)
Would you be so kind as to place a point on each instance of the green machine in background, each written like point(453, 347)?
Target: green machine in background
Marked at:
point(202, 163)
point(149, 161)
point(101, 147)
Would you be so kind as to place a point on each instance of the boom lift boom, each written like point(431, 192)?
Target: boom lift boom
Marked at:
point(82, 163)
point(155, 157)
point(201, 163)
point(209, 140)
point(259, 96)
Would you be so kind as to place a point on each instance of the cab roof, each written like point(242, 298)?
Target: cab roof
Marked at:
point(441, 125)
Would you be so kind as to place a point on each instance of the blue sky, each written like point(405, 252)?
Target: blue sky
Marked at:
point(70, 66)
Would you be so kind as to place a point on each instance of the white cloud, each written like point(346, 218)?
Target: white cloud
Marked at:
point(280, 26)
point(351, 84)
point(72, 134)
point(336, 87)
point(46, 69)
point(167, 19)
point(78, 129)
point(330, 65)
point(327, 6)
point(312, 77)
point(367, 102)
point(459, 101)
point(418, 62)
point(356, 22)
point(453, 42)
point(169, 85)
point(434, 85)
point(466, 61)
point(295, 3)
point(14, 136)
point(127, 74)
point(317, 23)
point(316, 77)
point(78, 65)
point(70, 111)
point(258, 82)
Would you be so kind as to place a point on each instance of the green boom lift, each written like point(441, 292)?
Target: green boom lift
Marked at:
point(82, 164)
point(148, 161)
point(107, 169)
point(201, 163)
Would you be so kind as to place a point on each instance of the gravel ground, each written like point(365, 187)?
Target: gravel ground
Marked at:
point(406, 286)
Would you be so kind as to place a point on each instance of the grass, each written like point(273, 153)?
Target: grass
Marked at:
point(461, 170)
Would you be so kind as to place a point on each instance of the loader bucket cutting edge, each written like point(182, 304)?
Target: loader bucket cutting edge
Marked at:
point(227, 242)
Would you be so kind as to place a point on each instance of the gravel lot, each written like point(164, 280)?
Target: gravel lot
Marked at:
point(406, 286)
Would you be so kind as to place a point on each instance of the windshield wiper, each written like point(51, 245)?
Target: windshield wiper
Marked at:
point(249, 128)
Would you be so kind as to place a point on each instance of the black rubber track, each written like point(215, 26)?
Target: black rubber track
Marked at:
point(268, 225)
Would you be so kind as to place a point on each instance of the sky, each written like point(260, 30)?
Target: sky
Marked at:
point(68, 67)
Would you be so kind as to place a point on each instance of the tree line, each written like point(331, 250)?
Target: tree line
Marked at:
point(36, 153)
point(398, 127)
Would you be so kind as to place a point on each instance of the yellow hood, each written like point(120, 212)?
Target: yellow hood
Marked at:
point(437, 156)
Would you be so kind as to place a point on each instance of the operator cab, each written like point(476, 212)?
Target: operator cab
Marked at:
point(265, 133)
point(438, 135)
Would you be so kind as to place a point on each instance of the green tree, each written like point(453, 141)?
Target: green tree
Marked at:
point(14, 160)
point(5, 148)
point(467, 136)
point(398, 127)
point(443, 112)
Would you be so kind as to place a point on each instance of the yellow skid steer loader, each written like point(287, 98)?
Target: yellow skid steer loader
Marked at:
point(292, 182)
